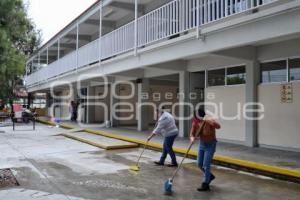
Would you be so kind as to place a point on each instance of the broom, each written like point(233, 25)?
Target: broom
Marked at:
point(136, 167)
point(169, 183)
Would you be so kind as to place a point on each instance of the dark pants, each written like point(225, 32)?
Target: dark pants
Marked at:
point(205, 155)
point(168, 149)
point(74, 116)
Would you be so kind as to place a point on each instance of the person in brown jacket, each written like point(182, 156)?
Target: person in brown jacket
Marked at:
point(204, 129)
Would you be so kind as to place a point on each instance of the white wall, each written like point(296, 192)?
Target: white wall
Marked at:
point(126, 90)
point(229, 96)
point(162, 89)
point(212, 62)
point(281, 124)
point(279, 50)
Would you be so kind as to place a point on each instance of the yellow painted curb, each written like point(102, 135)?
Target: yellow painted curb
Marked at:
point(219, 158)
point(224, 159)
point(106, 147)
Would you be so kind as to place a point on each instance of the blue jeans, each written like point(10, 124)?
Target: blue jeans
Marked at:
point(168, 149)
point(205, 155)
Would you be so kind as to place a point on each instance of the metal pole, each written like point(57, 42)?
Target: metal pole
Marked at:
point(77, 45)
point(39, 61)
point(100, 32)
point(47, 55)
point(135, 27)
point(47, 64)
point(58, 56)
point(198, 19)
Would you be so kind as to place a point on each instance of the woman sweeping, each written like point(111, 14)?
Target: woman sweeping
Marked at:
point(166, 126)
point(207, 146)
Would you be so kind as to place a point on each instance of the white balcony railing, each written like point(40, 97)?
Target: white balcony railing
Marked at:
point(88, 53)
point(171, 19)
point(118, 41)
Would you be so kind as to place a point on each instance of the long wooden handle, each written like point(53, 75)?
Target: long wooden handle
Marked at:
point(144, 148)
point(141, 153)
point(186, 154)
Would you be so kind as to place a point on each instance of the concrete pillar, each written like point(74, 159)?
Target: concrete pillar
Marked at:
point(183, 98)
point(75, 93)
point(114, 122)
point(143, 110)
point(90, 105)
point(49, 102)
point(252, 81)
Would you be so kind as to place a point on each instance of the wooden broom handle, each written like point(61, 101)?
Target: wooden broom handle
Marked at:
point(186, 154)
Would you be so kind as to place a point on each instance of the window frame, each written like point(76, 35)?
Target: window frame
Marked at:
point(287, 59)
point(243, 65)
point(274, 60)
point(225, 73)
point(218, 68)
point(291, 58)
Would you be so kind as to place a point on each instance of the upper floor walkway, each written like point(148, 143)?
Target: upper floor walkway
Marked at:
point(110, 28)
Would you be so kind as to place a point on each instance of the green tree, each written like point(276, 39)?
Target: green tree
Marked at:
point(18, 39)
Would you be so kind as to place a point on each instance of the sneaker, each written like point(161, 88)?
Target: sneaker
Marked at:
point(204, 187)
point(158, 163)
point(172, 165)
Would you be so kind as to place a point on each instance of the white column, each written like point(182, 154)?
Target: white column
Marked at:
point(77, 44)
point(75, 92)
point(136, 27)
point(47, 55)
point(143, 110)
point(183, 98)
point(39, 61)
point(90, 105)
point(100, 31)
point(113, 101)
point(252, 81)
point(58, 49)
point(198, 18)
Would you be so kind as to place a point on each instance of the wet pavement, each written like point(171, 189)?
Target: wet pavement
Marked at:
point(53, 167)
point(274, 157)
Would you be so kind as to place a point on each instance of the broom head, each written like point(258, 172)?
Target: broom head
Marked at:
point(134, 168)
point(168, 187)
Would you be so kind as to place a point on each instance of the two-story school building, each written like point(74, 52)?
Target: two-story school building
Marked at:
point(229, 55)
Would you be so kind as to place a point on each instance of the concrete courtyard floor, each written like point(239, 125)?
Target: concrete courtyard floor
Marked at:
point(53, 167)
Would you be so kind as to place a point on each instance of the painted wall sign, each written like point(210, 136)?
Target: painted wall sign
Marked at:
point(286, 91)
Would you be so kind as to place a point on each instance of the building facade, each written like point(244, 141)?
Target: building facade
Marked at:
point(240, 59)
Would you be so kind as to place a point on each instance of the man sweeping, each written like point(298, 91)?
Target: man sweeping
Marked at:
point(207, 146)
point(167, 128)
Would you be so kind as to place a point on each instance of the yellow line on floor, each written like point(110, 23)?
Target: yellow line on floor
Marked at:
point(106, 147)
point(224, 159)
